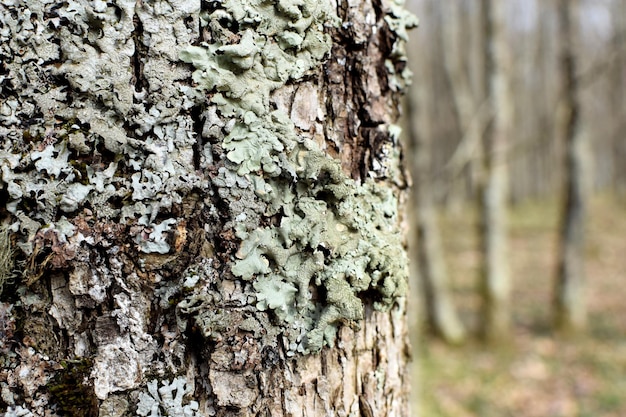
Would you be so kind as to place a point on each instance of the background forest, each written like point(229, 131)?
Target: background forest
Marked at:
point(516, 123)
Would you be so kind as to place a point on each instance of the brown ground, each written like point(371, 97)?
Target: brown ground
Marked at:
point(537, 374)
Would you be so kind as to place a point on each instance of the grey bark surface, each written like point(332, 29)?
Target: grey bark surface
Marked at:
point(201, 209)
point(570, 310)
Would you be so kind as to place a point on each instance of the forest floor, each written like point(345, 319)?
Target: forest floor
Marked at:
point(536, 374)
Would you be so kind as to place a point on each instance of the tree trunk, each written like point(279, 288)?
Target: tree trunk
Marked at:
point(569, 296)
point(470, 103)
point(617, 85)
point(201, 209)
point(496, 281)
point(441, 315)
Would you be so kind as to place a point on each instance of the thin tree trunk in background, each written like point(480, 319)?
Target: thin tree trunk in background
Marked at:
point(441, 314)
point(548, 175)
point(496, 280)
point(203, 204)
point(570, 310)
point(444, 123)
point(617, 85)
point(470, 105)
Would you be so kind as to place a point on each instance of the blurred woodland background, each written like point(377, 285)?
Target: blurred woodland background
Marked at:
point(516, 136)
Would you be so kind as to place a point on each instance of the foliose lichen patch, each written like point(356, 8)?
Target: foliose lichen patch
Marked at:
point(71, 99)
point(168, 400)
point(333, 239)
point(126, 188)
point(170, 195)
point(98, 164)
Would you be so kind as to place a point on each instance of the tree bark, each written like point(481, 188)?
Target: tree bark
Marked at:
point(496, 280)
point(202, 205)
point(569, 295)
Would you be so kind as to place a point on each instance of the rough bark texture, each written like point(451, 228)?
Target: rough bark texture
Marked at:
point(200, 207)
point(569, 296)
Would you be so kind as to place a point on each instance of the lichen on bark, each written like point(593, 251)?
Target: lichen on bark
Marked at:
point(200, 223)
point(343, 234)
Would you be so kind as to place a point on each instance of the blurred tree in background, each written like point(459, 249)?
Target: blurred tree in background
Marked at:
point(493, 181)
point(441, 314)
point(516, 101)
point(516, 120)
point(569, 298)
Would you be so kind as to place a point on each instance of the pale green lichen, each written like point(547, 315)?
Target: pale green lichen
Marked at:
point(70, 123)
point(276, 294)
point(348, 246)
point(278, 43)
point(18, 411)
point(53, 160)
point(155, 241)
point(170, 399)
point(335, 236)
